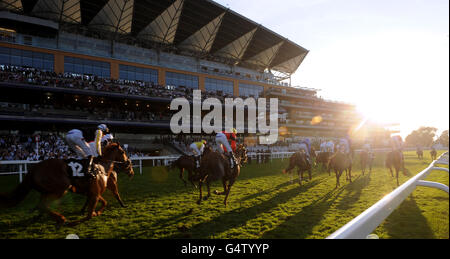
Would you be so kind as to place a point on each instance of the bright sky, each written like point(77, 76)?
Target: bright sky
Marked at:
point(389, 57)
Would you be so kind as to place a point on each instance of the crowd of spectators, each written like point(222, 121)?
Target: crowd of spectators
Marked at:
point(33, 76)
point(77, 111)
point(23, 147)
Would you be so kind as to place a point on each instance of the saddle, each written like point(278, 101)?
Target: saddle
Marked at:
point(79, 168)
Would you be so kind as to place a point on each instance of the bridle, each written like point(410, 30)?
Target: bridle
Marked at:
point(127, 165)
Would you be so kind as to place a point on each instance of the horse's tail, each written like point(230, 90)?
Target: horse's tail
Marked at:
point(15, 197)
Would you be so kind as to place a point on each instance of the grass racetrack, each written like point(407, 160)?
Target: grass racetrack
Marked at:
point(263, 203)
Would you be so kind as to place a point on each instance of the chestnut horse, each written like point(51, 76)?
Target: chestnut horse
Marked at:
point(341, 162)
point(299, 160)
point(395, 159)
point(111, 185)
point(215, 166)
point(52, 178)
point(186, 163)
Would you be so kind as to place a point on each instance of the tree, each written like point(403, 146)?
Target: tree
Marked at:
point(424, 137)
point(443, 139)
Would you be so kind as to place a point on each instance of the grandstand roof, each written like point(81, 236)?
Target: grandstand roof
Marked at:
point(202, 28)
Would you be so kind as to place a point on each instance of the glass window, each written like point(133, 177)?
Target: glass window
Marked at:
point(17, 57)
point(217, 85)
point(133, 73)
point(87, 67)
point(248, 90)
point(177, 79)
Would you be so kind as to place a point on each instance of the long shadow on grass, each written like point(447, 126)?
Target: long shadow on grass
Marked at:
point(239, 217)
point(157, 181)
point(407, 221)
point(300, 225)
point(267, 191)
point(354, 192)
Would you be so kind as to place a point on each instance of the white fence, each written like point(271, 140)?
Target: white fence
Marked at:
point(361, 226)
point(137, 162)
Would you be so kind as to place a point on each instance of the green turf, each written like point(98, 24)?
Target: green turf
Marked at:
point(263, 204)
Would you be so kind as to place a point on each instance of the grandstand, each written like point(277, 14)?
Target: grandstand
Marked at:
point(69, 64)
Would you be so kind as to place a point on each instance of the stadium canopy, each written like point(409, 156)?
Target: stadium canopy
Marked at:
point(199, 28)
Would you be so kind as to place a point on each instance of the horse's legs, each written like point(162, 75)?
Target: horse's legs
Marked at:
point(396, 172)
point(200, 191)
point(337, 177)
point(228, 191)
point(191, 178)
point(290, 167)
point(392, 174)
point(208, 187)
point(350, 173)
point(112, 186)
point(181, 177)
point(115, 191)
point(300, 176)
point(92, 204)
point(224, 183)
point(44, 206)
point(103, 201)
point(83, 210)
point(363, 167)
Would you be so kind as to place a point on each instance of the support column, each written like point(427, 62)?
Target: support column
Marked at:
point(161, 76)
point(236, 88)
point(58, 63)
point(201, 83)
point(114, 70)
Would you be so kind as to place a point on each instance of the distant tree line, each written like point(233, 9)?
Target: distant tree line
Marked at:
point(426, 137)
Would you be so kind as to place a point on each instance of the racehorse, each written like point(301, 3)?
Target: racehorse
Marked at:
point(433, 154)
point(216, 166)
point(186, 162)
point(300, 161)
point(52, 178)
point(340, 162)
point(395, 159)
point(419, 154)
point(366, 160)
point(322, 159)
point(111, 185)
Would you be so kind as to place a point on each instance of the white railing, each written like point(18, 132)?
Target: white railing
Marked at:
point(23, 164)
point(361, 226)
point(137, 161)
point(273, 155)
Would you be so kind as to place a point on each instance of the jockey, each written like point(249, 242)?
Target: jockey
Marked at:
point(78, 144)
point(106, 140)
point(366, 147)
point(397, 143)
point(330, 146)
point(222, 139)
point(305, 144)
point(100, 133)
point(323, 146)
point(197, 148)
point(345, 145)
point(419, 148)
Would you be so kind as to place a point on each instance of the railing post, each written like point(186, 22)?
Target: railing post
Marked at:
point(20, 173)
point(140, 166)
